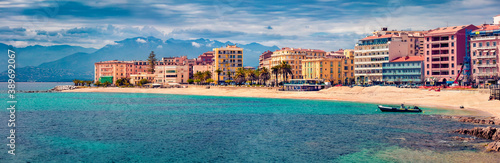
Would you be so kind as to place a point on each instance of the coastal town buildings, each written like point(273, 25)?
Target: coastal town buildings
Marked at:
point(294, 57)
point(171, 74)
point(335, 68)
point(112, 70)
point(227, 59)
point(444, 52)
point(265, 59)
point(485, 46)
point(404, 70)
point(373, 51)
point(205, 59)
point(136, 78)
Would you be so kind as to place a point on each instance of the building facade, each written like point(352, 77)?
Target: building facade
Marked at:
point(227, 59)
point(404, 70)
point(171, 74)
point(485, 46)
point(113, 69)
point(265, 59)
point(294, 57)
point(334, 69)
point(136, 78)
point(372, 52)
point(444, 52)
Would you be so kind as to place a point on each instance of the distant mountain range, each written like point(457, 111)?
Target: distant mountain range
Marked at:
point(65, 63)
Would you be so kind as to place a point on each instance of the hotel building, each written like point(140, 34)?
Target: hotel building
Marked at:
point(227, 59)
point(112, 70)
point(404, 70)
point(294, 57)
point(265, 59)
point(444, 52)
point(136, 78)
point(373, 51)
point(485, 46)
point(335, 68)
point(171, 74)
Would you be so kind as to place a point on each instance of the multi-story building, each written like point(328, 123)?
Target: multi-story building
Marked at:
point(336, 69)
point(265, 59)
point(205, 58)
point(136, 78)
point(404, 70)
point(444, 52)
point(227, 59)
point(112, 70)
point(485, 46)
point(294, 57)
point(349, 53)
point(373, 51)
point(169, 74)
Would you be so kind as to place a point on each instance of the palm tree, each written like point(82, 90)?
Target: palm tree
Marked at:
point(229, 75)
point(199, 76)
point(264, 75)
point(76, 82)
point(240, 75)
point(207, 75)
point(250, 74)
point(218, 71)
point(285, 69)
point(275, 70)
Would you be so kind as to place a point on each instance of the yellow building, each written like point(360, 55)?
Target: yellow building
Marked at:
point(294, 57)
point(337, 69)
point(227, 59)
point(349, 53)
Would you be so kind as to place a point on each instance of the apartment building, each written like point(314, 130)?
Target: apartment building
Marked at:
point(205, 58)
point(112, 70)
point(404, 70)
point(335, 68)
point(294, 57)
point(444, 52)
point(227, 59)
point(383, 46)
point(265, 59)
point(485, 46)
point(171, 74)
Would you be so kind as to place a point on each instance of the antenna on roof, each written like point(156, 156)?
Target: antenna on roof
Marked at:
point(446, 23)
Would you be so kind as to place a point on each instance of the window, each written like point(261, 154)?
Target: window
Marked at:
point(453, 72)
point(452, 51)
point(427, 59)
point(427, 52)
point(452, 58)
point(427, 67)
point(474, 45)
point(452, 65)
point(480, 44)
point(487, 43)
point(474, 54)
point(452, 44)
point(494, 43)
point(452, 37)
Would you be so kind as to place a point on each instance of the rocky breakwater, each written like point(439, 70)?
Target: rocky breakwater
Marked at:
point(489, 132)
point(55, 89)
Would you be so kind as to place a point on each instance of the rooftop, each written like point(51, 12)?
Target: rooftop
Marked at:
point(447, 30)
point(379, 37)
point(487, 27)
point(409, 59)
point(300, 50)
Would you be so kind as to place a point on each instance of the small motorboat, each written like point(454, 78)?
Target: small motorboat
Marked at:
point(400, 109)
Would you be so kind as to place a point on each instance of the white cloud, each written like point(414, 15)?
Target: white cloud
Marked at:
point(195, 44)
point(19, 44)
point(159, 47)
point(139, 40)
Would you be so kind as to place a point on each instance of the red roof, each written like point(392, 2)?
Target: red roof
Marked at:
point(487, 27)
point(301, 50)
point(377, 37)
point(497, 15)
point(409, 59)
point(448, 30)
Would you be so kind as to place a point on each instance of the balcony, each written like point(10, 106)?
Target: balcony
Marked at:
point(403, 67)
point(371, 50)
point(486, 65)
point(485, 38)
point(487, 47)
point(371, 62)
point(486, 74)
point(368, 74)
point(486, 56)
point(402, 73)
point(371, 56)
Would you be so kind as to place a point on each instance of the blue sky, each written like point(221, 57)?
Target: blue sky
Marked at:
point(321, 24)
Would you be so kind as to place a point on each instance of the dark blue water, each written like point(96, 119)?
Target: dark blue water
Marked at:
point(114, 127)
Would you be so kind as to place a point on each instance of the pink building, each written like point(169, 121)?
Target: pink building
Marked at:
point(112, 69)
point(205, 58)
point(444, 52)
point(264, 59)
point(485, 46)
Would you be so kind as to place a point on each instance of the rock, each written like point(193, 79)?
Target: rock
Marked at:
point(481, 132)
point(493, 146)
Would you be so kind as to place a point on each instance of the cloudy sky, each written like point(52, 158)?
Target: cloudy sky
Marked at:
point(322, 24)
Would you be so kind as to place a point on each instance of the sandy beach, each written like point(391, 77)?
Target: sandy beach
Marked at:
point(475, 101)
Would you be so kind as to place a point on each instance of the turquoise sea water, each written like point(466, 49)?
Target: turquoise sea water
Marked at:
point(32, 86)
point(119, 127)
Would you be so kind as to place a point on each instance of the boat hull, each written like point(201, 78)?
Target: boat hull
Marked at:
point(392, 109)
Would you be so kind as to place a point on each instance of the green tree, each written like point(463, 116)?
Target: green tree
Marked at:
point(143, 81)
point(264, 75)
point(76, 82)
point(218, 71)
point(240, 75)
point(198, 76)
point(152, 60)
point(276, 70)
point(197, 81)
point(97, 83)
point(285, 69)
point(209, 80)
point(190, 81)
point(229, 75)
point(250, 75)
point(207, 75)
point(106, 83)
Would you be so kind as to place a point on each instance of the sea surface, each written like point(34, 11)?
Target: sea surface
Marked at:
point(32, 86)
point(122, 127)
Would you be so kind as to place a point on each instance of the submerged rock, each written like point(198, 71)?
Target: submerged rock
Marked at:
point(493, 146)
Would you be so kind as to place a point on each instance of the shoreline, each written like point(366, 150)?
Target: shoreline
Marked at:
point(475, 102)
